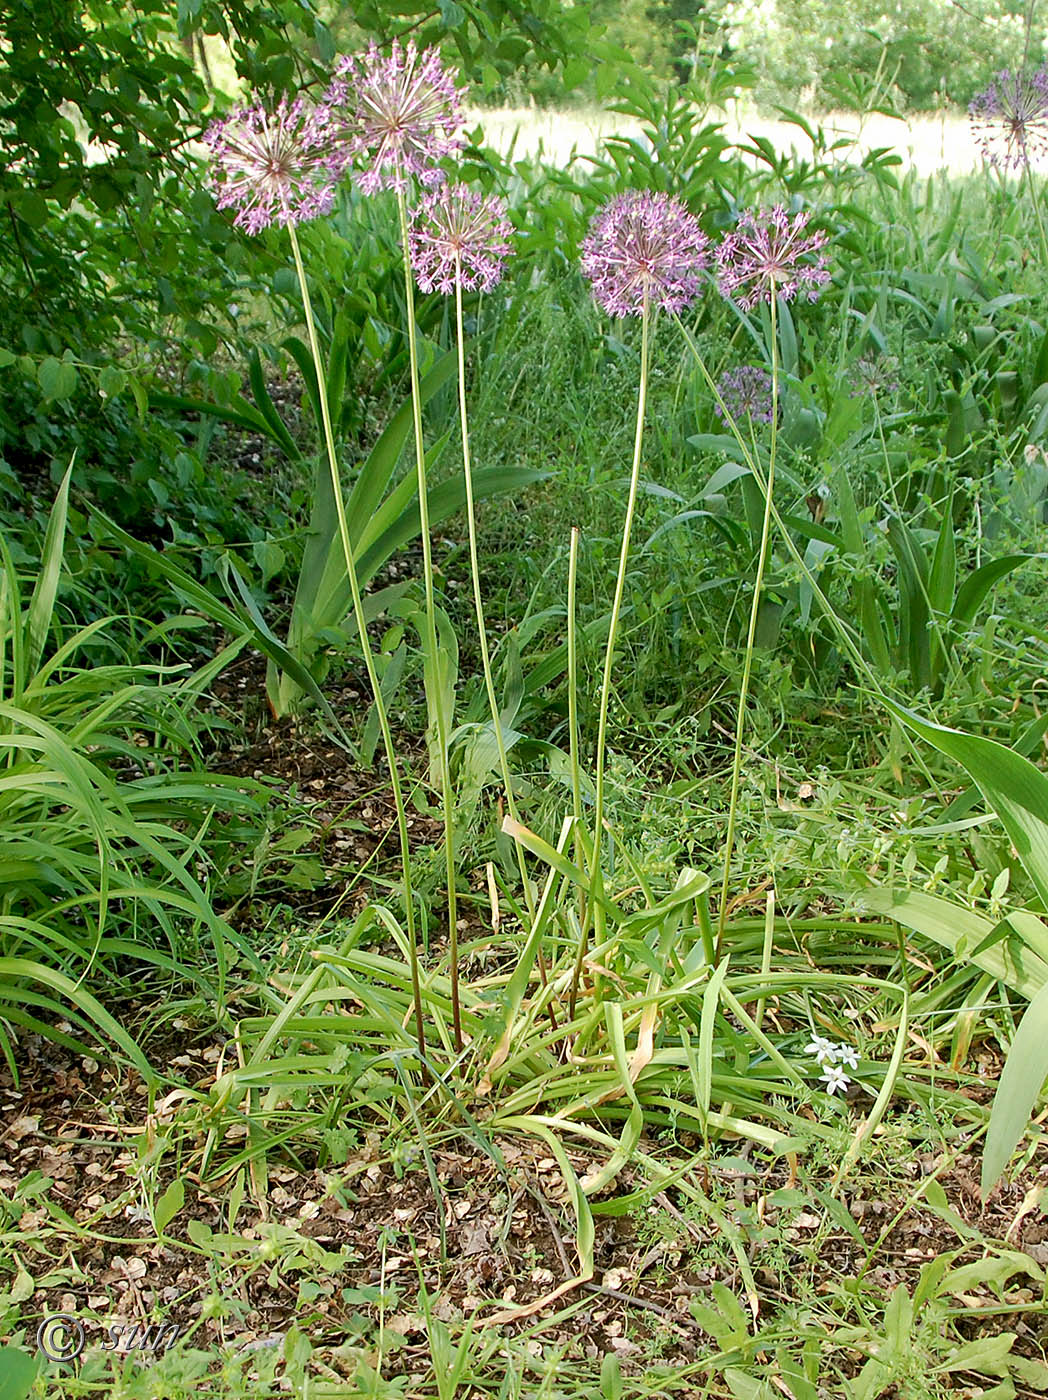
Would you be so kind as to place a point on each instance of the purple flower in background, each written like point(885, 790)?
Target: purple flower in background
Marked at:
point(458, 235)
point(404, 112)
point(768, 254)
point(746, 392)
point(278, 167)
point(1010, 117)
point(643, 248)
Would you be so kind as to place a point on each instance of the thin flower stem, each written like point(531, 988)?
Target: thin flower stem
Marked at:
point(747, 665)
point(1035, 201)
point(573, 749)
point(474, 561)
point(436, 667)
point(609, 656)
point(862, 666)
point(365, 644)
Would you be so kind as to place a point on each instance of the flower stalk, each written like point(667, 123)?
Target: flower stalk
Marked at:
point(436, 660)
point(365, 644)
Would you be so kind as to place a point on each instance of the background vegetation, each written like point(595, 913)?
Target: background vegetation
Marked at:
point(197, 889)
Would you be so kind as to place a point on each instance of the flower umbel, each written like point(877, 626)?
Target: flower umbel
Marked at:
point(875, 374)
point(457, 234)
point(1010, 117)
point(641, 248)
point(277, 167)
point(404, 113)
point(746, 393)
point(768, 254)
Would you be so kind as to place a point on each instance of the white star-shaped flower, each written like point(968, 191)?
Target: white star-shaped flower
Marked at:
point(845, 1055)
point(821, 1048)
point(834, 1078)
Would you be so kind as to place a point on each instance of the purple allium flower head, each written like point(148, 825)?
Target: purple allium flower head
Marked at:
point(277, 167)
point(746, 392)
point(458, 234)
point(1010, 117)
point(404, 112)
point(768, 254)
point(643, 247)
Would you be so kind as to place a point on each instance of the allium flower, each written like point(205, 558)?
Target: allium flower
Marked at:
point(767, 255)
point(641, 248)
point(404, 112)
point(278, 167)
point(845, 1055)
point(875, 374)
point(821, 1048)
point(458, 234)
point(834, 1078)
point(1010, 117)
point(746, 392)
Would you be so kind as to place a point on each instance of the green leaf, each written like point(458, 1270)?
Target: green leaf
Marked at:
point(6, 358)
point(1014, 788)
point(56, 378)
point(17, 1372)
point(111, 381)
point(269, 557)
point(41, 605)
point(1022, 1080)
point(169, 1204)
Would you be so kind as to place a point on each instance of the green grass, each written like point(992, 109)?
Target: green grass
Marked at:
point(674, 1101)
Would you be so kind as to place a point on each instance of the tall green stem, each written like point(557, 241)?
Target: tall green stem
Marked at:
point(616, 607)
point(436, 661)
point(862, 666)
point(474, 561)
point(1035, 201)
point(747, 665)
point(365, 644)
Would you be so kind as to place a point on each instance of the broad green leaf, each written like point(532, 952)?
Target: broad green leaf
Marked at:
point(965, 934)
point(169, 1204)
point(1022, 1079)
point(1014, 788)
point(17, 1372)
point(977, 585)
point(56, 378)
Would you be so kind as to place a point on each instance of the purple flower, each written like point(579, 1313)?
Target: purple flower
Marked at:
point(767, 255)
point(458, 235)
point(404, 112)
point(746, 392)
point(278, 167)
point(643, 249)
point(1010, 117)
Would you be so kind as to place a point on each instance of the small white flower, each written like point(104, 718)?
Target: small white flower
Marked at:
point(845, 1055)
point(834, 1078)
point(821, 1048)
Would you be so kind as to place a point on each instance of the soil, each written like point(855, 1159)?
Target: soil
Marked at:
point(495, 1238)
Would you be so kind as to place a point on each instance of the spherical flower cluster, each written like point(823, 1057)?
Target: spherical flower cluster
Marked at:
point(875, 374)
point(1010, 118)
point(279, 166)
point(643, 250)
point(746, 393)
point(459, 236)
point(404, 114)
point(768, 255)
